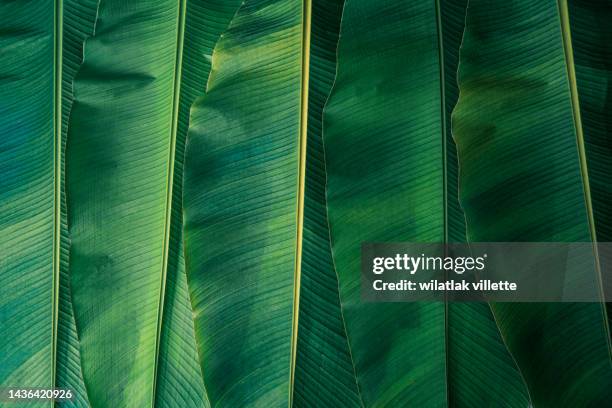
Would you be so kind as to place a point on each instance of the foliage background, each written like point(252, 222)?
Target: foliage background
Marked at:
point(186, 185)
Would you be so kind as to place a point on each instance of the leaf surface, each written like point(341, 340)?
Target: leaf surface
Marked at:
point(516, 107)
point(78, 24)
point(241, 202)
point(392, 177)
point(145, 84)
point(324, 370)
point(179, 376)
point(245, 139)
point(592, 46)
point(41, 346)
point(30, 134)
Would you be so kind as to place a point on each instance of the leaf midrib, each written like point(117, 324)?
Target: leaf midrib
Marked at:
point(169, 184)
point(57, 174)
point(566, 38)
point(303, 136)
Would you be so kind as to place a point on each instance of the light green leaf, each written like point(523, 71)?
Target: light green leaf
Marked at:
point(592, 46)
point(245, 184)
point(143, 68)
point(242, 188)
point(40, 347)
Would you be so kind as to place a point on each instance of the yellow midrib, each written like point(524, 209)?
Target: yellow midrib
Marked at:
point(303, 135)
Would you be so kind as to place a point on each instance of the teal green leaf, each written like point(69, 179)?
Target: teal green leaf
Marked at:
point(392, 177)
point(78, 23)
point(179, 373)
point(41, 347)
point(30, 139)
point(517, 105)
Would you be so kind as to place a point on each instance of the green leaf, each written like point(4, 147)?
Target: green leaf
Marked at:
point(243, 183)
point(592, 47)
point(324, 371)
point(118, 172)
point(392, 177)
point(179, 373)
point(41, 348)
point(480, 370)
point(518, 105)
point(143, 68)
point(243, 226)
point(78, 23)
point(30, 138)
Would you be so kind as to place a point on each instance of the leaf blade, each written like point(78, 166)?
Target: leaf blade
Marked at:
point(79, 23)
point(367, 88)
point(324, 369)
point(590, 38)
point(180, 374)
point(118, 172)
point(241, 197)
point(29, 135)
point(557, 346)
point(425, 351)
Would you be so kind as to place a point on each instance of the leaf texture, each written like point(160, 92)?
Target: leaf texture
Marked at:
point(480, 370)
point(241, 200)
point(592, 45)
point(29, 136)
point(78, 24)
point(426, 354)
point(516, 107)
point(263, 307)
point(119, 164)
point(179, 376)
point(324, 370)
point(368, 198)
point(591, 38)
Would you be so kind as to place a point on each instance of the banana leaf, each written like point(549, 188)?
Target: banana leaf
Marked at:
point(264, 308)
point(29, 135)
point(392, 177)
point(142, 69)
point(519, 105)
point(324, 371)
point(40, 346)
point(78, 24)
point(257, 245)
point(591, 43)
point(246, 246)
point(179, 374)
